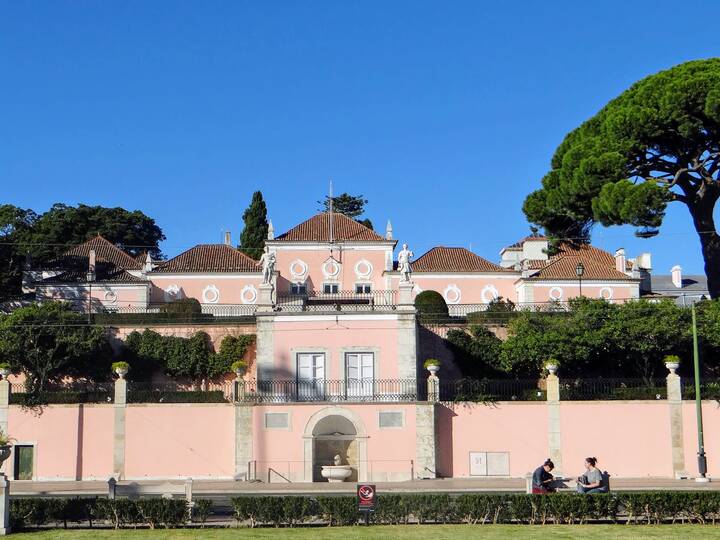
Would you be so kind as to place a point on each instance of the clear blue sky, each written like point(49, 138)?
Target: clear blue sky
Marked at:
point(443, 114)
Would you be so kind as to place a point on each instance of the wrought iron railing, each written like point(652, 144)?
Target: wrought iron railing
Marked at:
point(709, 388)
point(74, 393)
point(168, 392)
point(348, 390)
point(488, 390)
point(612, 389)
point(338, 301)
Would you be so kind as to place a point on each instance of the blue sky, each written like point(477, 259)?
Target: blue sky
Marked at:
point(443, 114)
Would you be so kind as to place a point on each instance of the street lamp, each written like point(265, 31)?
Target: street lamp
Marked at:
point(579, 271)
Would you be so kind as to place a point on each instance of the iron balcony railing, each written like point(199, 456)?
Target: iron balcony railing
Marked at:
point(338, 301)
point(612, 389)
point(348, 390)
point(487, 390)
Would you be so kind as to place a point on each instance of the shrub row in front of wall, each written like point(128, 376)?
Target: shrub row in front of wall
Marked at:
point(150, 512)
point(559, 508)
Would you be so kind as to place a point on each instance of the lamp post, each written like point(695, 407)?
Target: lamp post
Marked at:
point(702, 460)
point(579, 271)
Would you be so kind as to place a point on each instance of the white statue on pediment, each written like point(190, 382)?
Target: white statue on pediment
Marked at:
point(404, 263)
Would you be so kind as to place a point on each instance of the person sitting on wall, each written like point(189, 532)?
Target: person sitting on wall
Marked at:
point(542, 480)
point(592, 480)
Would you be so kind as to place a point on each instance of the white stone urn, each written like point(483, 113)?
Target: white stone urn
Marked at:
point(433, 369)
point(4, 372)
point(4, 453)
point(121, 372)
point(337, 472)
point(672, 366)
point(239, 373)
point(552, 368)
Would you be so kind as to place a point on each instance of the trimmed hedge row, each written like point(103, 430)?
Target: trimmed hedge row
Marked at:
point(560, 508)
point(651, 507)
point(149, 512)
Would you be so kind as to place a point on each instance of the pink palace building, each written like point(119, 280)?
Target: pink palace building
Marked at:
point(338, 373)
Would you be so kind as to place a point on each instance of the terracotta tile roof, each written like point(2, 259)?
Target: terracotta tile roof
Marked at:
point(104, 274)
point(77, 257)
point(599, 264)
point(453, 259)
point(317, 229)
point(210, 258)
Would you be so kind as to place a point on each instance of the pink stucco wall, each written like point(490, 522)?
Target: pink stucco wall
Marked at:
point(711, 433)
point(71, 441)
point(347, 258)
point(111, 296)
point(470, 289)
point(389, 450)
point(230, 287)
point(519, 428)
point(331, 335)
point(168, 441)
point(570, 289)
point(629, 438)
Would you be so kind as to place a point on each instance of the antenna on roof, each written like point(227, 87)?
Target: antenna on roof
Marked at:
point(330, 221)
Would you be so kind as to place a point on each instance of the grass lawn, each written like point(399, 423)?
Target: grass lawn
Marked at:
point(430, 532)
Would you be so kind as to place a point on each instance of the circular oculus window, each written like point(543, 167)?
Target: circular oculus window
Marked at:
point(211, 294)
point(556, 293)
point(298, 268)
point(452, 294)
point(489, 293)
point(248, 294)
point(363, 269)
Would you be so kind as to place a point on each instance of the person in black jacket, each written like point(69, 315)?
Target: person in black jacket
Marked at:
point(542, 480)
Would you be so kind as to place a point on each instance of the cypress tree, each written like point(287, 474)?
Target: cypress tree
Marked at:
point(252, 238)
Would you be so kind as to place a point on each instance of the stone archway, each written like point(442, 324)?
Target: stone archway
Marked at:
point(335, 430)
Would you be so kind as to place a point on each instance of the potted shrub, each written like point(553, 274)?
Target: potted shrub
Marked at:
point(121, 368)
point(238, 366)
point(432, 365)
point(4, 370)
point(5, 447)
point(672, 362)
point(552, 365)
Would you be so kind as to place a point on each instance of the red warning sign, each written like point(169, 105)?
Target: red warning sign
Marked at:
point(366, 496)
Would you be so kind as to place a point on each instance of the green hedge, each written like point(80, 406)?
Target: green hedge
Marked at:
point(149, 512)
point(651, 507)
point(560, 508)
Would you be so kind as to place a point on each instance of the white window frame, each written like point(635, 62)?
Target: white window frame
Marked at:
point(331, 285)
point(295, 288)
point(363, 284)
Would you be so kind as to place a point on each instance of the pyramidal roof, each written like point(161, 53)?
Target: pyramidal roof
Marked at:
point(598, 263)
point(210, 258)
point(317, 229)
point(78, 256)
point(453, 259)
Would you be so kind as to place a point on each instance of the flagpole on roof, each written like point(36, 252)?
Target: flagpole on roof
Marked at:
point(331, 213)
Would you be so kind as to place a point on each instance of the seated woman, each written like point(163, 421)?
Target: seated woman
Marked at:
point(542, 480)
point(592, 480)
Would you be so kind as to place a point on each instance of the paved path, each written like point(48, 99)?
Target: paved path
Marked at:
point(225, 488)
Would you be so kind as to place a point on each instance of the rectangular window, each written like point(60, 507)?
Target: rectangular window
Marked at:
point(298, 288)
point(360, 374)
point(24, 457)
point(330, 288)
point(310, 376)
point(390, 419)
point(363, 288)
point(277, 420)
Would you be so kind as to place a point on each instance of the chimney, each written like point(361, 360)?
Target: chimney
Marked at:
point(228, 241)
point(388, 231)
point(620, 260)
point(91, 265)
point(676, 274)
